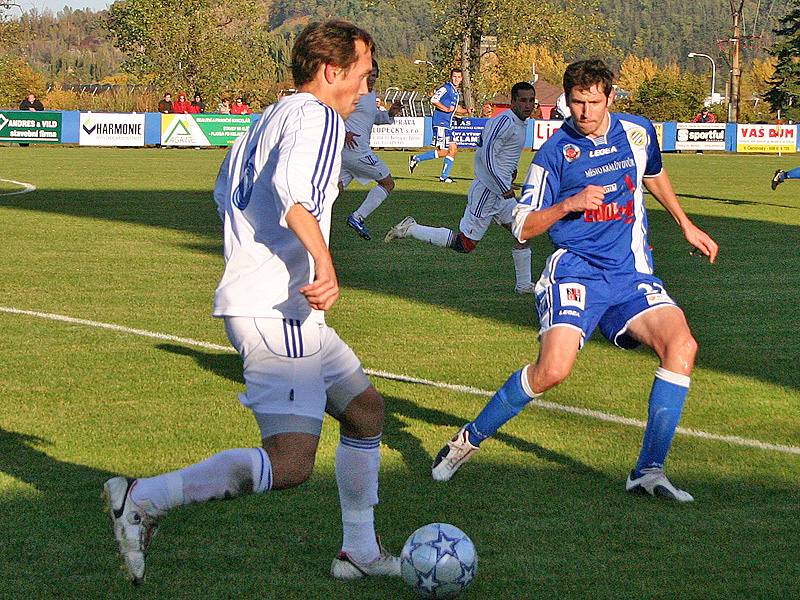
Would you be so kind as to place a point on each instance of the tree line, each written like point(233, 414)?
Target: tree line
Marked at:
point(242, 47)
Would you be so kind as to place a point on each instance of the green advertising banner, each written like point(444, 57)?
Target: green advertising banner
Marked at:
point(30, 126)
point(202, 130)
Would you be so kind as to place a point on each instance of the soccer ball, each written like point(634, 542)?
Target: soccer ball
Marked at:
point(438, 561)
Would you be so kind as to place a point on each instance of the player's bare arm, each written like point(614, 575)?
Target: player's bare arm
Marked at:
point(324, 291)
point(661, 188)
point(539, 221)
point(442, 107)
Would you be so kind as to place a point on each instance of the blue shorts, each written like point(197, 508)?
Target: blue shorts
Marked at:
point(442, 137)
point(571, 292)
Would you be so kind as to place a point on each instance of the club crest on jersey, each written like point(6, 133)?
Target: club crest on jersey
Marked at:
point(571, 152)
point(572, 294)
point(637, 137)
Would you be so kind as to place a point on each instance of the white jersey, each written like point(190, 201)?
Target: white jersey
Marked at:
point(361, 121)
point(499, 149)
point(291, 155)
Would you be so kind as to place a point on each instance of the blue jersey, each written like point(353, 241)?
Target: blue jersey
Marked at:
point(614, 236)
point(448, 96)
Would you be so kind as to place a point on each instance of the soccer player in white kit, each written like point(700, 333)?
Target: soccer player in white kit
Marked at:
point(359, 162)
point(275, 192)
point(491, 196)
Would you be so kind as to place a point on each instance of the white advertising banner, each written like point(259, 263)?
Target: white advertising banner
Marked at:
point(111, 129)
point(700, 136)
point(405, 132)
point(766, 138)
point(542, 130)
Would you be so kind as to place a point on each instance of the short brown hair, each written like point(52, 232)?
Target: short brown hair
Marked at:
point(586, 73)
point(331, 42)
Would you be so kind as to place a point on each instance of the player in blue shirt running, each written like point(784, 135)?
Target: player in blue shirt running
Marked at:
point(585, 188)
point(445, 107)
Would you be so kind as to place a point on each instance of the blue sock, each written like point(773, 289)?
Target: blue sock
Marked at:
point(507, 402)
point(793, 174)
point(664, 411)
point(448, 164)
point(429, 155)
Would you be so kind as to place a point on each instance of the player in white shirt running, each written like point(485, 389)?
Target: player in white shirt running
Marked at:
point(491, 196)
point(359, 162)
point(275, 192)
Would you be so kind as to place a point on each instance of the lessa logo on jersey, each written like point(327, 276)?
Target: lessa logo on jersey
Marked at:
point(610, 212)
point(602, 151)
point(571, 152)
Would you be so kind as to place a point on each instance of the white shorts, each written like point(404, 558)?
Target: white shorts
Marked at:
point(484, 206)
point(362, 167)
point(294, 372)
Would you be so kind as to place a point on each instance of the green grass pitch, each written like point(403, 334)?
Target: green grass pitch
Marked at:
point(131, 237)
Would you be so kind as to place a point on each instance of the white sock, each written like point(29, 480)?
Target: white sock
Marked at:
point(522, 265)
point(357, 464)
point(438, 236)
point(225, 475)
point(373, 200)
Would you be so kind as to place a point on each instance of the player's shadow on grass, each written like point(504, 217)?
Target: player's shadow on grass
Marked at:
point(396, 435)
point(737, 202)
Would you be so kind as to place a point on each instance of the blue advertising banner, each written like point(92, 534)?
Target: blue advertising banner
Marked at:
point(467, 133)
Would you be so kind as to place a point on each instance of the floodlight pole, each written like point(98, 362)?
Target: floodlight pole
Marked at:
point(713, 72)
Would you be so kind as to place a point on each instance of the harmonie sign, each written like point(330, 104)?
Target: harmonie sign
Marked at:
point(111, 129)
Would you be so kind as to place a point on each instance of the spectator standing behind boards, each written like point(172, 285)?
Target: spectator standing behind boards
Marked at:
point(705, 116)
point(165, 105)
point(537, 111)
point(487, 110)
point(224, 107)
point(240, 108)
point(31, 103)
point(197, 106)
point(182, 105)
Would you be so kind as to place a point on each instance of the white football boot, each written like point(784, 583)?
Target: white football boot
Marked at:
point(134, 525)
point(399, 231)
point(655, 483)
point(386, 565)
point(454, 454)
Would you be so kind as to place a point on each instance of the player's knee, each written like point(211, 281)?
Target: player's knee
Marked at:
point(686, 347)
point(549, 375)
point(290, 470)
point(364, 415)
point(463, 244)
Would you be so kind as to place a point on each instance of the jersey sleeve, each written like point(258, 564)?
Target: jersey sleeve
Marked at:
point(654, 164)
point(308, 151)
point(382, 117)
point(494, 144)
point(221, 185)
point(539, 191)
point(439, 94)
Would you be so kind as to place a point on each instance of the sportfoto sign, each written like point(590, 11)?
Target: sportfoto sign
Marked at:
point(700, 136)
point(110, 129)
point(202, 130)
point(30, 126)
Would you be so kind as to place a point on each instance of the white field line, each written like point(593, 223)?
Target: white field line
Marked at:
point(464, 389)
point(26, 187)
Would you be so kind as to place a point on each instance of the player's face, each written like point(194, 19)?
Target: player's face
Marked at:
point(373, 77)
point(350, 84)
point(590, 109)
point(523, 104)
point(456, 78)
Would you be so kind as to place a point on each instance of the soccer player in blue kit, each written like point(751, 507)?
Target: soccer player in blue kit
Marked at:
point(445, 107)
point(585, 187)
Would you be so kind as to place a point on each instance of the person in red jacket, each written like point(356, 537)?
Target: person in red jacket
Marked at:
point(240, 108)
point(197, 106)
point(705, 116)
point(182, 105)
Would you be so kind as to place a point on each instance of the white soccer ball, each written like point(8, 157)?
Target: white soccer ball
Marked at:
point(438, 561)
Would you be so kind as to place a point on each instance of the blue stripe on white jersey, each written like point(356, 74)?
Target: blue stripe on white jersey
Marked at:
point(503, 122)
point(325, 158)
